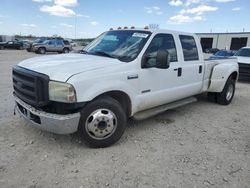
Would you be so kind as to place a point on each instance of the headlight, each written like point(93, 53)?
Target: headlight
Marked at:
point(61, 92)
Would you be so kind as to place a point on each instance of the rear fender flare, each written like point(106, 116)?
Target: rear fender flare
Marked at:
point(220, 75)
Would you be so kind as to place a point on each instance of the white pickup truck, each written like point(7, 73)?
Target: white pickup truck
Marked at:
point(122, 74)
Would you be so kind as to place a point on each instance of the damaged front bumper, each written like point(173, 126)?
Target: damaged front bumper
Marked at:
point(59, 124)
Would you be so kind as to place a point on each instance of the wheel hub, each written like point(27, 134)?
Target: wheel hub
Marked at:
point(101, 124)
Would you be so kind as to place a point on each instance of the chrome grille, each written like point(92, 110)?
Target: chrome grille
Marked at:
point(30, 86)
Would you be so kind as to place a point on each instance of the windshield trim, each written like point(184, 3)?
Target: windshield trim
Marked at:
point(139, 51)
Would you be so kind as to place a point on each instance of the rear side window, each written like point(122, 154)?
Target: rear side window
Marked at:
point(59, 42)
point(190, 51)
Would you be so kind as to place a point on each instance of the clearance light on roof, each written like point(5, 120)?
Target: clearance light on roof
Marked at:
point(146, 27)
point(125, 27)
point(111, 29)
point(133, 27)
point(119, 28)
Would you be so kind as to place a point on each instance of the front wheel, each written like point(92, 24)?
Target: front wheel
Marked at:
point(41, 50)
point(102, 122)
point(65, 50)
point(226, 96)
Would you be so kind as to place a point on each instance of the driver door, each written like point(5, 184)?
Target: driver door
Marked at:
point(160, 86)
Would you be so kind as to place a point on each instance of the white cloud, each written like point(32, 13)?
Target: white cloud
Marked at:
point(53, 26)
point(94, 23)
point(190, 2)
point(66, 25)
point(223, 1)
point(179, 19)
point(199, 10)
point(1, 22)
point(175, 3)
point(153, 10)
point(183, 19)
point(70, 3)
point(58, 10)
point(236, 9)
point(28, 25)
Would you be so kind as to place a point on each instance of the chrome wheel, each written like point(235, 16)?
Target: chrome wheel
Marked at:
point(101, 124)
point(230, 92)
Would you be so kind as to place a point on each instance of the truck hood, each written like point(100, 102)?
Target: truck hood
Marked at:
point(62, 67)
point(245, 60)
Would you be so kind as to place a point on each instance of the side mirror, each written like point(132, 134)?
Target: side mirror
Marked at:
point(162, 59)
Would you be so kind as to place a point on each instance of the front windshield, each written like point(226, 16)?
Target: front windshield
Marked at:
point(38, 40)
point(244, 52)
point(124, 45)
point(45, 42)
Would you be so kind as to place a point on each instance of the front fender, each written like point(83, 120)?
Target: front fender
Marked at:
point(220, 75)
point(87, 90)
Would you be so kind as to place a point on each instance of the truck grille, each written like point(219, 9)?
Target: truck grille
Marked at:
point(244, 70)
point(30, 86)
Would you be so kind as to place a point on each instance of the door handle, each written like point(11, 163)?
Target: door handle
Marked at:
point(179, 71)
point(200, 69)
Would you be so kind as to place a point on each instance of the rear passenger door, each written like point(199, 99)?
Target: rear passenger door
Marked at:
point(59, 45)
point(51, 46)
point(192, 65)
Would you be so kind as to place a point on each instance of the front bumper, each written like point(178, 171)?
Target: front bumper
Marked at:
point(59, 124)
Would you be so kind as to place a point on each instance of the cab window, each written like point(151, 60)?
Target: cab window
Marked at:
point(161, 42)
point(190, 51)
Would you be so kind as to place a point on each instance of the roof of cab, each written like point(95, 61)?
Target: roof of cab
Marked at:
point(156, 31)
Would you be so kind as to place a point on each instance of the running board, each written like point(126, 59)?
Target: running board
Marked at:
point(157, 110)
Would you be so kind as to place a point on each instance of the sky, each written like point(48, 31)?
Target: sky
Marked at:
point(89, 18)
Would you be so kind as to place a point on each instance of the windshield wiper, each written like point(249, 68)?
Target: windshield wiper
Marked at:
point(103, 54)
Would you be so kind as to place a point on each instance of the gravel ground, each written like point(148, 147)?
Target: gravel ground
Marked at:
point(198, 145)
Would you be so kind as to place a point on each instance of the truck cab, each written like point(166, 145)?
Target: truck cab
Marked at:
point(122, 74)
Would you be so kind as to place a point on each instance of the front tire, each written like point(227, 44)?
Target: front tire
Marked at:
point(102, 122)
point(41, 50)
point(226, 96)
point(65, 50)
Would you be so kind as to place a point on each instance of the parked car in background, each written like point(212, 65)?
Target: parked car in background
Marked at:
point(12, 45)
point(243, 56)
point(222, 54)
point(37, 41)
point(54, 45)
point(72, 43)
point(26, 43)
point(212, 50)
